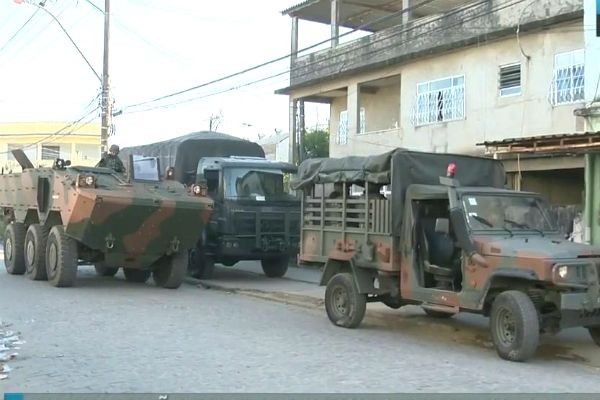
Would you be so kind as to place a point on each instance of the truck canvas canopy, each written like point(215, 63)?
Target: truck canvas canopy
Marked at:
point(400, 168)
point(184, 152)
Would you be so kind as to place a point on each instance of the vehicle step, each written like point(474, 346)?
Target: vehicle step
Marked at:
point(441, 308)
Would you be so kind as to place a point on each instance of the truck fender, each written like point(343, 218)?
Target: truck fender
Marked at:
point(363, 278)
point(523, 275)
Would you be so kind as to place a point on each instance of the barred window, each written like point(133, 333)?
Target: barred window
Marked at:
point(342, 136)
point(510, 80)
point(568, 79)
point(439, 101)
point(50, 152)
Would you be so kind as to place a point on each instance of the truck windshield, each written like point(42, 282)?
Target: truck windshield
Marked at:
point(255, 184)
point(506, 212)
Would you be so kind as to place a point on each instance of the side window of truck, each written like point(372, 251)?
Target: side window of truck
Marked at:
point(212, 181)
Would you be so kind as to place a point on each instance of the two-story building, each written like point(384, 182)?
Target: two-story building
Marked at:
point(44, 142)
point(449, 76)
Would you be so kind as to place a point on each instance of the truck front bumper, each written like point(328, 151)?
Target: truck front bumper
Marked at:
point(579, 309)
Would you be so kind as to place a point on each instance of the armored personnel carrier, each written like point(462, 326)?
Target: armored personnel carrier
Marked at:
point(65, 216)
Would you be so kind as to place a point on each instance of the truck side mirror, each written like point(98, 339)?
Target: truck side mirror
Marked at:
point(442, 225)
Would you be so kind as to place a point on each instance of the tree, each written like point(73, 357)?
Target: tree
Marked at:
point(316, 143)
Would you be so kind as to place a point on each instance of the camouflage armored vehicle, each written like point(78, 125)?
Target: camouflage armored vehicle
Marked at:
point(64, 216)
point(442, 232)
point(255, 217)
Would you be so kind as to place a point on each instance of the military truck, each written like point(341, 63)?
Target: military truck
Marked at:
point(255, 217)
point(65, 216)
point(441, 231)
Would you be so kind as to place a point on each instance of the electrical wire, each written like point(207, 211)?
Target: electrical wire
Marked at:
point(338, 54)
point(18, 31)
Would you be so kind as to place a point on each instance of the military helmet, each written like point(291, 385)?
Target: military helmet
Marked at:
point(114, 149)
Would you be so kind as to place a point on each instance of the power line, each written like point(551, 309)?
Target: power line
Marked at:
point(282, 58)
point(18, 30)
point(338, 54)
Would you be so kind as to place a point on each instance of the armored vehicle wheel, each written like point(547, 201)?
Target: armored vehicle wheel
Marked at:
point(344, 305)
point(103, 270)
point(61, 258)
point(14, 245)
point(595, 334)
point(170, 271)
point(275, 267)
point(437, 314)
point(200, 265)
point(514, 325)
point(35, 252)
point(136, 275)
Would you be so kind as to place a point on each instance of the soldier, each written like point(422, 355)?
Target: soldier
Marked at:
point(111, 160)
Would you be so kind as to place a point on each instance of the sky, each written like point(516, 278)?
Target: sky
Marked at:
point(157, 47)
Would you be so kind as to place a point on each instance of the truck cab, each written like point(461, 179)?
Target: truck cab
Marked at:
point(256, 217)
point(455, 242)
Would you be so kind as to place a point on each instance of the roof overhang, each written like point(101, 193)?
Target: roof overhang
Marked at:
point(546, 144)
point(361, 14)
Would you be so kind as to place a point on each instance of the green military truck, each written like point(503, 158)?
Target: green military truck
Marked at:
point(442, 232)
point(255, 216)
point(65, 216)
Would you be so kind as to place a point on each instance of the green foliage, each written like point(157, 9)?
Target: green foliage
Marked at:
point(316, 143)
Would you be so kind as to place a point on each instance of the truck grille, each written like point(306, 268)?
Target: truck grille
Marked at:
point(244, 223)
point(272, 223)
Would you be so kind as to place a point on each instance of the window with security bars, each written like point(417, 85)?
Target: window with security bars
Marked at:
point(440, 100)
point(510, 80)
point(50, 152)
point(568, 78)
point(342, 137)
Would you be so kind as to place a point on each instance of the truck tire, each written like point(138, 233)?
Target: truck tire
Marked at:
point(35, 252)
point(103, 270)
point(437, 314)
point(136, 275)
point(595, 334)
point(200, 265)
point(170, 271)
point(514, 326)
point(14, 246)
point(344, 305)
point(61, 258)
point(275, 267)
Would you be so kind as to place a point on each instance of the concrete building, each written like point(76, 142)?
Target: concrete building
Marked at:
point(451, 76)
point(43, 142)
point(276, 147)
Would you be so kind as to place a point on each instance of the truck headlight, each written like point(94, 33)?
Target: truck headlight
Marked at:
point(563, 271)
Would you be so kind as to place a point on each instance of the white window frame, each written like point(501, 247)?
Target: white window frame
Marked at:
point(511, 91)
point(427, 110)
point(568, 78)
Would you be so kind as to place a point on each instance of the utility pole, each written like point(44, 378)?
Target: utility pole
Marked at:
point(106, 99)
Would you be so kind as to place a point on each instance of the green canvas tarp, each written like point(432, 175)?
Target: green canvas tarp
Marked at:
point(400, 168)
point(184, 152)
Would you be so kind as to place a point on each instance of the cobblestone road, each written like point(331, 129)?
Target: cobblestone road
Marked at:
point(106, 335)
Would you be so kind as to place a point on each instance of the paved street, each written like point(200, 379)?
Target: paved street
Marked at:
point(109, 335)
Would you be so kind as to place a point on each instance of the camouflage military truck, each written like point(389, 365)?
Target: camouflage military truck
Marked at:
point(442, 232)
point(255, 217)
point(64, 216)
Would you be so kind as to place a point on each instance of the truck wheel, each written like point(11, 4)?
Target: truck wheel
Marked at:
point(344, 305)
point(103, 270)
point(170, 271)
point(514, 325)
point(200, 265)
point(14, 245)
point(61, 258)
point(437, 314)
point(35, 252)
point(275, 267)
point(595, 334)
point(136, 275)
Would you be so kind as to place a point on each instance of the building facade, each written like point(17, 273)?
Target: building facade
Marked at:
point(44, 142)
point(450, 76)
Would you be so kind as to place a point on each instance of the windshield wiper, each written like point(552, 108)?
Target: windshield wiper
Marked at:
point(524, 226)
point(489, 224)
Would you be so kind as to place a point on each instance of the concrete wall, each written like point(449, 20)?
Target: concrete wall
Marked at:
point(488, 116)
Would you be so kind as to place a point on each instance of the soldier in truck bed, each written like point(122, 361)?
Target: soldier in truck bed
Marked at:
point(111, 160)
